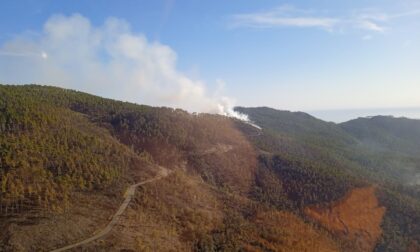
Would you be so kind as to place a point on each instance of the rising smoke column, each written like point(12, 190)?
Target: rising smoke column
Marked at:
point(109, 60)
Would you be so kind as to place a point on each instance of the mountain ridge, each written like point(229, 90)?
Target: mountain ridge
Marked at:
point(231, 187)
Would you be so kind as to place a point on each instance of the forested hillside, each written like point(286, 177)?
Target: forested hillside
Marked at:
point(80, 152)
point(67, 157)
point(387, 133)
point(315, 156)
point(393, 144)
point(48, 151)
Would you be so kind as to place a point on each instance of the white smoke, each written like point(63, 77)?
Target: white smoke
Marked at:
point(108, 60)
point(225, 107)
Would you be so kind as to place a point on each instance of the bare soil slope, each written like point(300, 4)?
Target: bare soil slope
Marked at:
point(357, 217)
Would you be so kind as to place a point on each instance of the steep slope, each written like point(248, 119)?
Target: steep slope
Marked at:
point(94, 148)
point(357, 216)
point(67, 157)
point(184, 213)
point(49, 152)
point(299, 126)
point(392, 143)
point(314, 162)
point(55, 166)
point(59, 144)
point(387, 133)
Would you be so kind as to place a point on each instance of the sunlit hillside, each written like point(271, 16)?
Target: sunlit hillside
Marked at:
point(68, 157)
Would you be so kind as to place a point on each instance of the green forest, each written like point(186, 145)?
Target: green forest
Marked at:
point(312, 157)
point(56, 143)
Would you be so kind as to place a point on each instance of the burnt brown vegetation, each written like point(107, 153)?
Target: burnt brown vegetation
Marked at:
point(67, 157)
point(357, 217)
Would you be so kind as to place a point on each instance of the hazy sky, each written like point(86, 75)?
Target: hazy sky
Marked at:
point(205, 55)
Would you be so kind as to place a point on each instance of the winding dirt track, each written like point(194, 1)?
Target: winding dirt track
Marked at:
point(128, 196)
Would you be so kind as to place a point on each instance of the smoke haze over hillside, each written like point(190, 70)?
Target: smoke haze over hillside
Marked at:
point(109, 60)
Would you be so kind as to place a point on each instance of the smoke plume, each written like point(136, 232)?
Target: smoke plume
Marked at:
point(108, 60)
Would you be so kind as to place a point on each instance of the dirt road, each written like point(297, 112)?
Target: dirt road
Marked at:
point(129, 194)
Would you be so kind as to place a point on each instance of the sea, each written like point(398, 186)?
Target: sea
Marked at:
point(343, 115)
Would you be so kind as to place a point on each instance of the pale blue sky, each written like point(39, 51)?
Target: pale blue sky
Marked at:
point(297, 55)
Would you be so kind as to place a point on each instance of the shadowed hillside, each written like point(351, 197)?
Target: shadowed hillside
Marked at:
point(310, 157)
point(387, 133)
